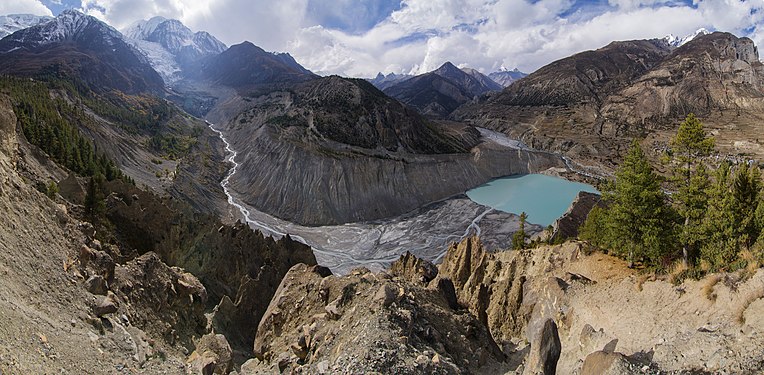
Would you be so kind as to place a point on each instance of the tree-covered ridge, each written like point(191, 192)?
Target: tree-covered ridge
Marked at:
point(51, 124)
point(710, 221)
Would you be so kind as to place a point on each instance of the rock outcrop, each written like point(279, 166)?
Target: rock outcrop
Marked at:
point(240, 268)
point(213, 355)
point(596, 302)
point(366, 322)
point(163, 301)
point(566, 227)
point(545, 350)
point(413, 269)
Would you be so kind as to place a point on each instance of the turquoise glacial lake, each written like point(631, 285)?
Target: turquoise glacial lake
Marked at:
point(544, 198)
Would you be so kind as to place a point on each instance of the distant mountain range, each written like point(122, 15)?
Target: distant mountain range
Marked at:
point(245, 65)
point(438, 93)
point(14, 22)
point(585, 105)
point(507, 77)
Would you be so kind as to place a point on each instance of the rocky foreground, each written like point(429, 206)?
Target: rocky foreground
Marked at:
point(172, 293)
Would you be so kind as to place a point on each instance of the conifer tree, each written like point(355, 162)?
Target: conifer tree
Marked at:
point(518, 239)
point(688, 147)
point(746, 189)
point(721, 244)
point(637, 221)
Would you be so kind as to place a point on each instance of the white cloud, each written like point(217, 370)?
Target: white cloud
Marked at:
point(24, 7)
point(422, 34)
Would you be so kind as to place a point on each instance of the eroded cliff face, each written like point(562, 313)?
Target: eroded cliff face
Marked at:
point(302, 163)
point(139, 300)
point(592, 104)
point(65, 303)
point(239, 267)
point(599, 305)
point(7, 130)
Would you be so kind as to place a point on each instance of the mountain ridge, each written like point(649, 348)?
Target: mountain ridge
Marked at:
point(75, 43)
point(588, 105)
point(440, 92)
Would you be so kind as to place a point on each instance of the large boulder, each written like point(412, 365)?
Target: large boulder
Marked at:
point(545, 351)
point(213, 355)
point(412, 268)
point(608, 363)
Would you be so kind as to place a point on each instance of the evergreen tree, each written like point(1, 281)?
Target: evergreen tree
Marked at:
point(692, 205)
point(594, 229)
point(518, 239)
point(688, 147)
point(746, 188)
point(52, 190)
point(94, 198)
point(719, 224)
point(637, 221)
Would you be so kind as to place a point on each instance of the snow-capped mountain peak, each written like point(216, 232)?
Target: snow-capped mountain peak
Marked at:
point(69, 25)
point(143, 28)
point(14, 22)
point(675, 41)
point(174, 36)
point(170, 45)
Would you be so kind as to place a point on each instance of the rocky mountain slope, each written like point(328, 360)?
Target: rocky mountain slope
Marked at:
point(246, 65)
point(74, 44)
point(548, 310)
point(438, 93)
point(335, 150)
point(95, 298)
point(591, 104)
point(171, 46)
point(92, 78)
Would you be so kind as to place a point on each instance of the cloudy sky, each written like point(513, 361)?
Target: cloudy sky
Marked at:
point(363, 37)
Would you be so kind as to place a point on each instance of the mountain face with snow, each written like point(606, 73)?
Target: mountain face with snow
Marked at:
point(171, 46)
point(675, 41)
point(506, 77)
point(80, 46)
point(14, 22)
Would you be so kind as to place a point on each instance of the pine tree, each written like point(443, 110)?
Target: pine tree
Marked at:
point(746, 187)
point(721, 245)
point(518, 239)
point(688, 147)
point(637, 221)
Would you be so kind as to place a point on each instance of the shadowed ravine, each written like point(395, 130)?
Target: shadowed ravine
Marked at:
point(376, 244)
